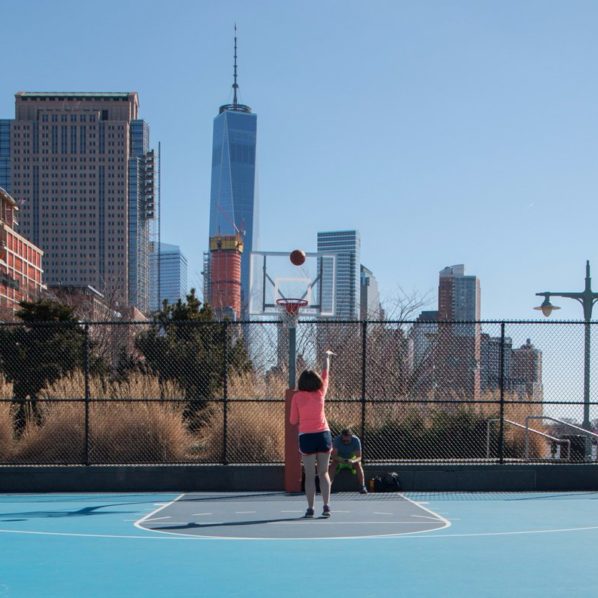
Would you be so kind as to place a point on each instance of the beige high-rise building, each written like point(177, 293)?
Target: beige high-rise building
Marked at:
point(83, 175)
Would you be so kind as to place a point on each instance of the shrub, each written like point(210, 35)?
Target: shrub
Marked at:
point(6, 433)
point(255, 433)
point(135, 431)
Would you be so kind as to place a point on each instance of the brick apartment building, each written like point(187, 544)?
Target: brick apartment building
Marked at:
point(20, 262)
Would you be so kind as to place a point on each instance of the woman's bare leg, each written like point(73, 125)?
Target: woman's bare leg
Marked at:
point(309, 466)
point(323, 462)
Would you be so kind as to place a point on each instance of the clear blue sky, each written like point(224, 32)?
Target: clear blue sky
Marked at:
point(444, 131)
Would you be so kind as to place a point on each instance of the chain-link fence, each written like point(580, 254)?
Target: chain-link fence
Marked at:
point(195, 392)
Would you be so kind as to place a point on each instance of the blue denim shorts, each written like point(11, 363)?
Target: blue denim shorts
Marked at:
point(318, 442)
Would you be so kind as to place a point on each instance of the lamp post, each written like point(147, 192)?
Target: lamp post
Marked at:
point(587, 298)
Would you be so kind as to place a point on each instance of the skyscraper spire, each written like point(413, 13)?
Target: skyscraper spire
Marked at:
point(235, 106)
point(235, 85)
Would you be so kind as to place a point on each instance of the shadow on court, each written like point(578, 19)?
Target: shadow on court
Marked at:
point(84, 512)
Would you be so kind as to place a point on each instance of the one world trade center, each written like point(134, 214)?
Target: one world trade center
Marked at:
point(233, 198)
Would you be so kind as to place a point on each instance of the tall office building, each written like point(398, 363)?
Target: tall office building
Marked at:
point(459, 344)
point(169, 275)
point(82, 173)
point(5, 154)
point(369, 299)
point(493, 351)
point(458, 298)
point(233, 196)
point(526, 373)
point(346, 245)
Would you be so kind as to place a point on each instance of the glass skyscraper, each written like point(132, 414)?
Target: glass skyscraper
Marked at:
point(370, 308)
point(172, 277)
point(346, 245)
point(233, 196)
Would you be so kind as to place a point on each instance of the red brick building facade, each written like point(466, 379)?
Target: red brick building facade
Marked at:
point(20, 262)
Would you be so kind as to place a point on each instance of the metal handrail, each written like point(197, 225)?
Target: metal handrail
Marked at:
point(526, 428)
point(554, 419)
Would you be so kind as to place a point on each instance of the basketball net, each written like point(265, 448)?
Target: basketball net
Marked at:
point(289, 310)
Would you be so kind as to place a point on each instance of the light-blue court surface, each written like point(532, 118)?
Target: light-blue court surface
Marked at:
point(257, 544)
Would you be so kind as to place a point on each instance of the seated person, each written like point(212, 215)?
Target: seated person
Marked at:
point(346, 454)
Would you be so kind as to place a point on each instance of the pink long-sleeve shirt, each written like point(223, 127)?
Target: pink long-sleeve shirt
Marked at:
point(307, 409)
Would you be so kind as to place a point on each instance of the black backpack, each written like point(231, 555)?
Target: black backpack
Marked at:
point(387, 482)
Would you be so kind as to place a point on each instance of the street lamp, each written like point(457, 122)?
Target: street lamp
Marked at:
point(587, 298)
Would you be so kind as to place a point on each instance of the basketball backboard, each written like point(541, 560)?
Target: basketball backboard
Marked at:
point(274, 277)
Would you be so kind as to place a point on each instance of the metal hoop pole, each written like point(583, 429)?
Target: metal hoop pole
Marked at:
point(292, 352)
point(291, 315)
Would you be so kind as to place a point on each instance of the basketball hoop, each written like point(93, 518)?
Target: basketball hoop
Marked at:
point(290, 308)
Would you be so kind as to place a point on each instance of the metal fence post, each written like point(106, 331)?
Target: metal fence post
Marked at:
point(225, 393)
point(501, 429)
point(364, 331)
point(86, 374)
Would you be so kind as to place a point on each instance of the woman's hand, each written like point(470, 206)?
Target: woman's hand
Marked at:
point(329, 355)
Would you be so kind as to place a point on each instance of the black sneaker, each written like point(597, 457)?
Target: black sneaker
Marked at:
point(309, 513)
point(363, 490)
point(326, 512)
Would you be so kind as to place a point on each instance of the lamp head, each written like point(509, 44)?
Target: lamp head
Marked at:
point(546, 308)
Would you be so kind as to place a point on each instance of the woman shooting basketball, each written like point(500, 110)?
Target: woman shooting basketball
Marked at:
point(315, 440)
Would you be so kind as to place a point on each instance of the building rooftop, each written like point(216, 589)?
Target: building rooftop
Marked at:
point(5, 195)
point(75, 94)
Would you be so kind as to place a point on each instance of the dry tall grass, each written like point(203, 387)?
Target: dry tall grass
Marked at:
point(140, 431)
point(5, 388)
point(249, 385)
point(135, 431)
point(6, 435)
point(137, 386)
point(255, 433)
point(60, 439)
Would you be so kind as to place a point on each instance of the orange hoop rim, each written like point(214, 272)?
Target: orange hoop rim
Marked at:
point(291, 306)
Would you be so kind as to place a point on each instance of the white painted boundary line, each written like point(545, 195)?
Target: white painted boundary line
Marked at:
point(407, 536)
point(446, 522)
point(138, 523)
point(434, 515)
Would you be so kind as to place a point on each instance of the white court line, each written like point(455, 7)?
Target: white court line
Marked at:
point(298, 511)
point(158, 518)
point(378, 513)
point(446, 522)
point(244, 512)
point(200, 514)
point(328, 522)
point(434, 515)
point(406, 536)
point(138, 523)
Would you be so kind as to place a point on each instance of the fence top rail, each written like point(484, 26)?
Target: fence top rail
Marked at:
point(564, 423)
point(518, 425)
point(322, 322)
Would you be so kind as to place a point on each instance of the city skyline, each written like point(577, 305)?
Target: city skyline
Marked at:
point(83, 174)
point(461, 134)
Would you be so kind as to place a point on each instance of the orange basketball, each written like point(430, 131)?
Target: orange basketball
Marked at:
point(297, 257)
